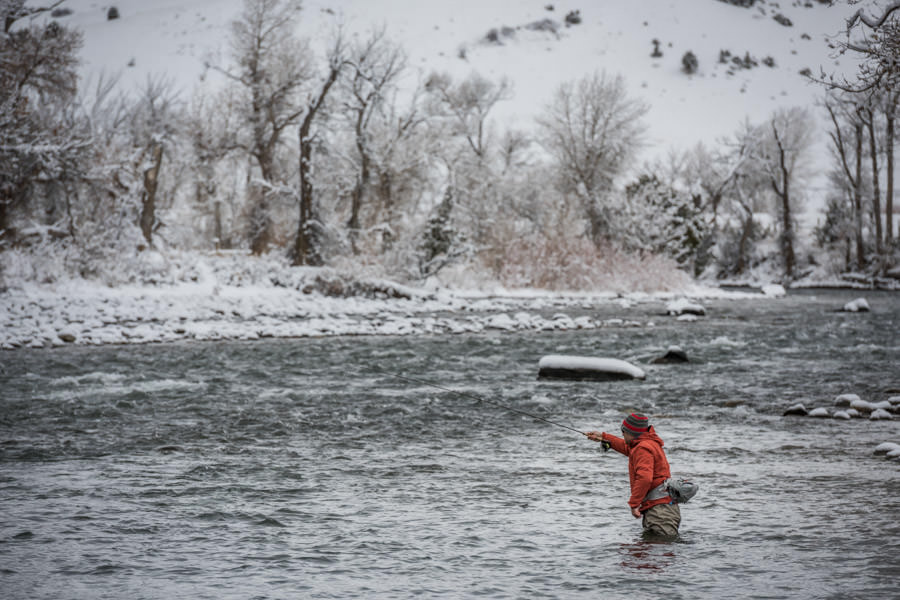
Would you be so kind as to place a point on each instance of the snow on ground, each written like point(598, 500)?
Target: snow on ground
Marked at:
point(240, 297)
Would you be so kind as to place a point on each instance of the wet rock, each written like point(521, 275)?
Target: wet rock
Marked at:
point(67, 337)
point(797, 410)
point(674, 355)
point(858, 305)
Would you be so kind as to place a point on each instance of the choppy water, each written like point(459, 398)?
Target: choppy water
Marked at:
point(295, 469)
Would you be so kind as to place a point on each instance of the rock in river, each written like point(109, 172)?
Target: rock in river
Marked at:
point(583, 367)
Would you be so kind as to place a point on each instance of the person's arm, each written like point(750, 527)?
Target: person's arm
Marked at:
point(642, 460)
point(616, 443)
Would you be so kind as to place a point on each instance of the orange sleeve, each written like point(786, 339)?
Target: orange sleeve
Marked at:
point(616, 443)
point(642, 479)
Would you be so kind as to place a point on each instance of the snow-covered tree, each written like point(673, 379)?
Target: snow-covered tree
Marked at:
point(270, 66)
point(662, 220)
point(38, 82)
point(593, 130)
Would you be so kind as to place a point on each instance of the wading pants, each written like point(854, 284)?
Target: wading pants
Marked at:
point(662, 520)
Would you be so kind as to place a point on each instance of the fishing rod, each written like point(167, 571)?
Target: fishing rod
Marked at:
point(479, 398)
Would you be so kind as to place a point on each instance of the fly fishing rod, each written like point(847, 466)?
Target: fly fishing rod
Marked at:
point(479, 398)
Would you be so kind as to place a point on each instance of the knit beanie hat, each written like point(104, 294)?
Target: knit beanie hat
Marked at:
point(636, 424)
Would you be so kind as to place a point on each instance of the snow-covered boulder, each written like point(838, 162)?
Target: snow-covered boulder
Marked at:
point(583, 367)
point(797, 410)
point(887, 448)
point(674, 355)
point(863, 406)
point(841, 414)
point(820, 413)
point(858, 305)
point(774, 290)
point(845, 399)
point(881, 415)
point(684, 306)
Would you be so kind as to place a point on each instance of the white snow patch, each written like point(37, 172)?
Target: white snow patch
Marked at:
point(774, 290)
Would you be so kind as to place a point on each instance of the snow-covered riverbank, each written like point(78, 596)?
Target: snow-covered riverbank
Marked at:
point(221, 298)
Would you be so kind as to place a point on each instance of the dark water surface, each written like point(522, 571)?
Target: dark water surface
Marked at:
point(296, 469)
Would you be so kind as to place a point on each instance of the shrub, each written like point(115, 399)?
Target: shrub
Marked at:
point(783, 20)
point(657, 53)
point(573, 18)
point(61, 12)
point(689, 63)
point(112, 13)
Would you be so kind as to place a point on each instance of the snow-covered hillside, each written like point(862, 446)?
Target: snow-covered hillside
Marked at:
point(176, 37)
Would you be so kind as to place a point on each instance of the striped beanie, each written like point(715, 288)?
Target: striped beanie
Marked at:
point(636, 424)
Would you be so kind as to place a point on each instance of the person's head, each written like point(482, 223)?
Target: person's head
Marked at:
point(634, 425)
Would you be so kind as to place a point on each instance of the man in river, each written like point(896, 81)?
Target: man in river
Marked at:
point(648, 471)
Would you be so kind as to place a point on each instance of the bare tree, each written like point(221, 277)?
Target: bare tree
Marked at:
point(467, 106)
point(154, 122)
point(306, 249)
point(783, 157)
point(375, 65)
point(593, 129)
point(270, 66)
point(876, 39)
point(868, 117)
point(849, 154)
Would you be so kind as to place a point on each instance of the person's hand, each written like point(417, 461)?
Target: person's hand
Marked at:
point(594, 436)
point(636, 513)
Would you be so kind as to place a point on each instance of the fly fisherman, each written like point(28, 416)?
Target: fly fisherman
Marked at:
point(648, 471)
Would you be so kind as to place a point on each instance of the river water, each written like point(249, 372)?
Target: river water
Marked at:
point(300, 469)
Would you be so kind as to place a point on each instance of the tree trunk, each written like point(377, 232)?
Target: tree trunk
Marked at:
point(857, 199)
point(148, 198)
point(746, 231)
point(784, 193)
point(889, 198)
point(306, 250)
point(876, 191)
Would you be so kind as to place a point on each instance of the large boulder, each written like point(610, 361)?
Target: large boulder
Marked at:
point(858, 305)
point(557, 366)
point(674, 355)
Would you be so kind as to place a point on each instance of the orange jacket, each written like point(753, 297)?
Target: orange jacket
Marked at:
point(647, 466)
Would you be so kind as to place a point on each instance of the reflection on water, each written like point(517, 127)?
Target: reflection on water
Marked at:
point(648, 555)
point(297, 468)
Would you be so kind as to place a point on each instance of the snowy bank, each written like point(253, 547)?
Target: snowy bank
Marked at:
point(240, 297)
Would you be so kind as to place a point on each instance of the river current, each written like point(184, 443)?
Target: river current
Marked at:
point(303, 469)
